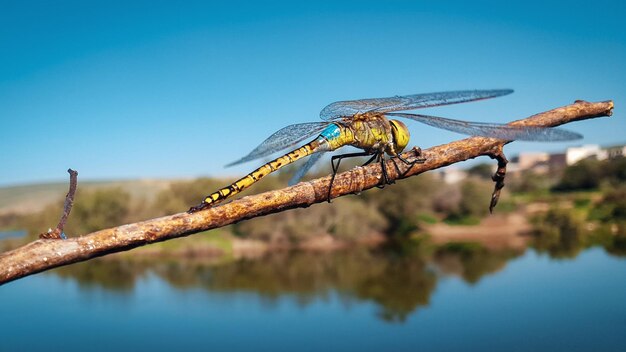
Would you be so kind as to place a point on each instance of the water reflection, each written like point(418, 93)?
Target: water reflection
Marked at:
point(12, 234)
point(399, 278)
point(562, 234)
point(352, 300)
point(115, 275)
point(616, 246)
point(398, 282)
point(472, 261)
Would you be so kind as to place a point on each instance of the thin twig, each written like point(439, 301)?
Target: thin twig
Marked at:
point(45, 254)
point(58, 233)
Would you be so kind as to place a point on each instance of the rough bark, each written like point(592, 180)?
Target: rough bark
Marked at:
point(45, 254)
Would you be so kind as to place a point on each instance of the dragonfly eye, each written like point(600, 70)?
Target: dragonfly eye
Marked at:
point(400, 134)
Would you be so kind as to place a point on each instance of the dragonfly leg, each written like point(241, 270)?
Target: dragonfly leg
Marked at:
point(336, 166)
point(370, 160)
point(418, 153)
point(383, 166)
point(398, 171)
point(380, 159)
point(198, 207)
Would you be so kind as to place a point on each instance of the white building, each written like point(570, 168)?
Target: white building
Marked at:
point(538, 161)
point(529, 160)
point(452, 174)
point(616, 151)
point(541, 162)
point(575, 154)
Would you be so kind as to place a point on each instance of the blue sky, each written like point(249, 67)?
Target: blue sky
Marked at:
point(132, 89)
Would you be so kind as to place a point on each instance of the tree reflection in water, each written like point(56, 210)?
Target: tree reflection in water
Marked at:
point(399, 277)
point(398, 280)
point(563, 235)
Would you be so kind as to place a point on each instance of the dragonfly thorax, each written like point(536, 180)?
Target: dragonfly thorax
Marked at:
point(373, 133)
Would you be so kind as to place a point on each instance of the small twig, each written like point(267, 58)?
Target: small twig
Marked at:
point(58, 233)
point(43, 255)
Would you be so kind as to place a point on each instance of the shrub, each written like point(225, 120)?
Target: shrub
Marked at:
point(612, 207)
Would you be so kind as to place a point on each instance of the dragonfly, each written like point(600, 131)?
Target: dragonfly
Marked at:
point(370, 125)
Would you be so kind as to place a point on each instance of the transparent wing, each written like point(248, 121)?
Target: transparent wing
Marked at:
point(494, 130)
point(408, 102)
point(305, 168)
point(283, 138)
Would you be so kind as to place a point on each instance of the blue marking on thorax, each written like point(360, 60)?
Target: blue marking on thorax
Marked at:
point(331, 132)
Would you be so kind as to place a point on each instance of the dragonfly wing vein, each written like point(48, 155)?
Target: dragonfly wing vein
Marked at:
point(305, 168)
point(408, 102)
point(494, 130)
point(283, 138)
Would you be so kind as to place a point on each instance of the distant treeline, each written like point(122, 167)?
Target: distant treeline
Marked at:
point(396, 210)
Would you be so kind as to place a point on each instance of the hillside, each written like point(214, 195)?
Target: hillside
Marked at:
point(24, 199)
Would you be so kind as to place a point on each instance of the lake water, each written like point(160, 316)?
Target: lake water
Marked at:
point(358, 300)
point(12, 234)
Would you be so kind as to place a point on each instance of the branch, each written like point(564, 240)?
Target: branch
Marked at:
point(45, 254)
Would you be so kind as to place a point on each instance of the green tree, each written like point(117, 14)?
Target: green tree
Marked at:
point(584, 175)
point(403, 202)
point(529, 182)
point(482, 170)
point(98, 209)
point(92, 211)
point(183, 194)
point(347, 218)
point(615, 170)
point(591, 174)
point(474, 201)
point(612, 207)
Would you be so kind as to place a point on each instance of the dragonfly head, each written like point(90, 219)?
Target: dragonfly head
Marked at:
point(400, 134)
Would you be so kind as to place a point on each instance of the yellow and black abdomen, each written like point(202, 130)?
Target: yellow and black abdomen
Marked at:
point(258, 174)
point(334, 136)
